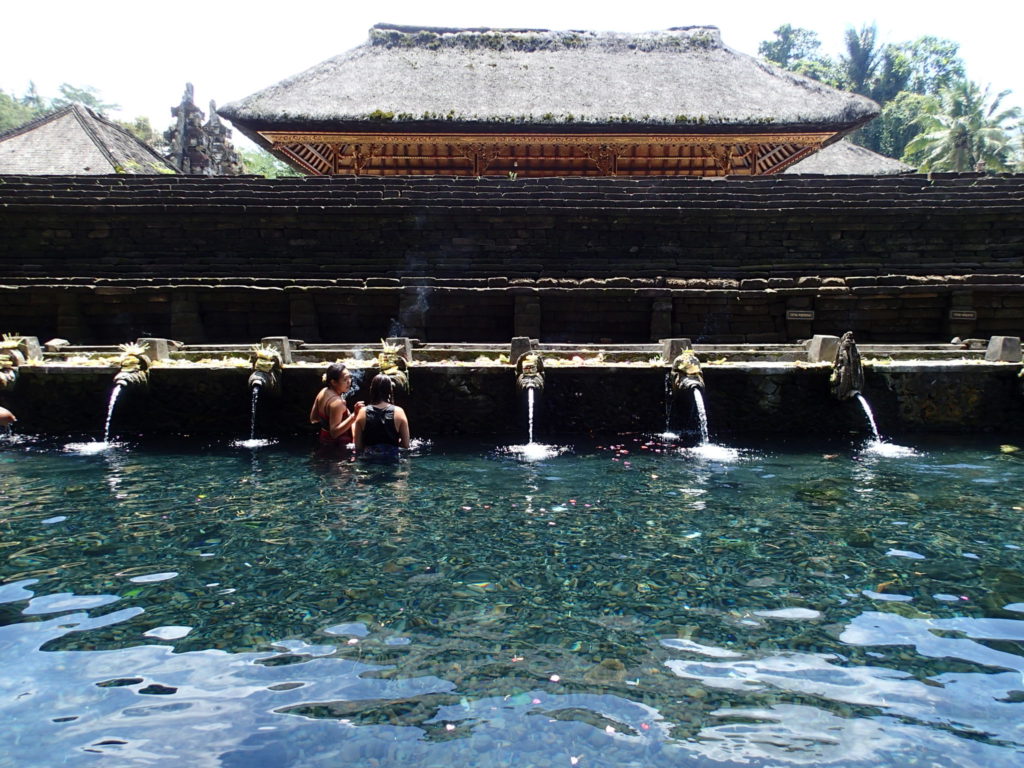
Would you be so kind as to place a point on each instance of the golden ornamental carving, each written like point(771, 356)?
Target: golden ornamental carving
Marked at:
point(362, 154)
point(479, 153)
point(604, 156)
point(331, 153)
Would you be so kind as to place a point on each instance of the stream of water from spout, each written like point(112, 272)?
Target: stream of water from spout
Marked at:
point(110, 410)
point(668, 402)
point(702, 416)
point(529, 407)
point(252, 415)
point(870, 415)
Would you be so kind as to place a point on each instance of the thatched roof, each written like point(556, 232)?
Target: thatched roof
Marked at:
point(844, 158)
point(677, 80)
point(76, 141)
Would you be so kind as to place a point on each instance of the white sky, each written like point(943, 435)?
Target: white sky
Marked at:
point(140, 54)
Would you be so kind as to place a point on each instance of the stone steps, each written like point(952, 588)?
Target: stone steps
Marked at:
point(939, 192)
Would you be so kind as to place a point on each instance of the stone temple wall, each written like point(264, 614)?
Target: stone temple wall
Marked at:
point(472, 402)
point(340, 259)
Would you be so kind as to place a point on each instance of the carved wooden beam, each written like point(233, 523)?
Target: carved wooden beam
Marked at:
point(478, 153)
point(604, 156)
point(796, 155)
point(362, 154)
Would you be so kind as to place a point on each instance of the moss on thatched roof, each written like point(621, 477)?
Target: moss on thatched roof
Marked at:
point(844, 158)
point(76, 141)
point(676, 80)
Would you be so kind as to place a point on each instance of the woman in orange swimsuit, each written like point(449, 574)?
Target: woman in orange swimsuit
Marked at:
point(329, 409)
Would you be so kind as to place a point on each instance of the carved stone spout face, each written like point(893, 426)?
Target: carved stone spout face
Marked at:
point(400, 380)
point(686, 372)
point(847, 378)
point(387, 360)
point(131, 377)
point(10, 359)
point(530, 381)
point(267, 381)
point(530, 371)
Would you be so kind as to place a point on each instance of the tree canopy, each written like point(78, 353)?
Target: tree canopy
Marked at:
point(265, 164)
point(932, 116)
point(966, 130)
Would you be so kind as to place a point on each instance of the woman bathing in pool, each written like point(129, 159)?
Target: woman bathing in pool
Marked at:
point(329, 409)
point(382, 427)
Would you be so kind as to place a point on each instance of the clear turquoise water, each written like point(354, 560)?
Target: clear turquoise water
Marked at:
point(624, 604)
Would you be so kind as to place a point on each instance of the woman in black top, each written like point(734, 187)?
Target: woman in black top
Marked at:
point(382, 426)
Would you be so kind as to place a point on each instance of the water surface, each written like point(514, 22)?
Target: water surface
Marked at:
point(640, 602)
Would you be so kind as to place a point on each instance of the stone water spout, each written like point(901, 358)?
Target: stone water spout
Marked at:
point(686, 374)
point(266, 369)
point(134, 367)
point(530, 371)
point(393, 362)
point(11, 357)
point(847, 379)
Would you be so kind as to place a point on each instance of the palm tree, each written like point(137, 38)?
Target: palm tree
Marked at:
point(966, 132)
point(861, 59)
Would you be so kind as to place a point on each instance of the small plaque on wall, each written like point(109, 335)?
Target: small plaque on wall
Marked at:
point(963, 314)
point(799, 314)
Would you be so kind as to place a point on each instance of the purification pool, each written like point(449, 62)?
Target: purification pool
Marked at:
point(626, 602)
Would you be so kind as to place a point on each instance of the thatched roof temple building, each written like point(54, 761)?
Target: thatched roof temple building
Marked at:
point(75, 140)
point(524, 102)
point(844, 158)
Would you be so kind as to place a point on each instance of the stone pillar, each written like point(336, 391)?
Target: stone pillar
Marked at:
point(519, 347)
point(1003, 349)
point(799, 317)
point(186, 321)
point(673, 348)
point(303, 323)
point(661, 318)
point(822, 349)
point(70, 323)
point(30, 347)
point(282, 344)
point(404, 344)
point(526, 321)
point(155, 349)
point(961, 319)
point(412, 311)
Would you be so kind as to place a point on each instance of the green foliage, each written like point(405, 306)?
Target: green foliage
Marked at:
point(142, 129)
point(17, 110)
point(890, 132)
point(87, 96)
point(966, 131)
point(791, 45)
point(932, 65)
point(14, 112)
point(916, 83)
point(1018, 148)
point(265, 164)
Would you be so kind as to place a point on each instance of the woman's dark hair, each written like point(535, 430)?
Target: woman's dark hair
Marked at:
point(334, 372)
point(381, 388)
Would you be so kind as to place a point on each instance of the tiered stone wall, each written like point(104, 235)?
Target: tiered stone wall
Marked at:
point(104, 259)
point(446, 402)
